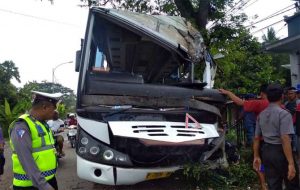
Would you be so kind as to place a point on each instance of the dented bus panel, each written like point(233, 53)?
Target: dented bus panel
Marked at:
point(141, 114)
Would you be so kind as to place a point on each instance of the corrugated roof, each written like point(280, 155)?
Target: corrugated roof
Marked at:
point(286, 45)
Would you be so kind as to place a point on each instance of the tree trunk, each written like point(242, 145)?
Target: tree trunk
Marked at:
point(202, 13)
point(185, 8)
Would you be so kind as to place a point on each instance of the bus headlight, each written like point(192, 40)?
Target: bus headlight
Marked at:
point(108, 155)
point(82, 150)
point(121, 158)
point(94, 150)
point(84, 140)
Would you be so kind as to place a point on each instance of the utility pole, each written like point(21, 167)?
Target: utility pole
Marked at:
point(53, 69)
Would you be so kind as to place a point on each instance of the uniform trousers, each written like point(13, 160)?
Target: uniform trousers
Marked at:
point(276, 168)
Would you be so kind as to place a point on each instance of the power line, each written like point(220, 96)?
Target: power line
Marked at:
point(241, 6)
point(39, 18)
point(280, 29)
point(231, 9)
point(279, 12)
point(250, 4)
point(267, 26)
point(272, 15)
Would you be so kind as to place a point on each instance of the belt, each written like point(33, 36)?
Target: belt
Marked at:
point(269, 144)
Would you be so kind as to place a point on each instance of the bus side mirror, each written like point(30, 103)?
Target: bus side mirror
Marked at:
point(77, 62)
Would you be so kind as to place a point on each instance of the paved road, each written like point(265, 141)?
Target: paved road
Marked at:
point(68, 180)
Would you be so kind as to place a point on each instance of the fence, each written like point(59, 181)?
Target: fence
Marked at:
point(235, 122)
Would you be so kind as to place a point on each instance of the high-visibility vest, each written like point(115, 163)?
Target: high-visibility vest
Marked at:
point(43, 152)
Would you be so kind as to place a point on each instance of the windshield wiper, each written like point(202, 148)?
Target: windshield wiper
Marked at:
point(118, 109)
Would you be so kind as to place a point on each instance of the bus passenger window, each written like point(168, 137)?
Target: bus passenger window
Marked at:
point(100, 64)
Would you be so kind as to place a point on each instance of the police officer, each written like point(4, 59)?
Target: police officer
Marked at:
point(32, 143)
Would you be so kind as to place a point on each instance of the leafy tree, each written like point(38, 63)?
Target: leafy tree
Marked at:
point(8, 114)
point(8, 94)
point(8, 71)
point(68, 94)
point(10, 111)
point(270, 37)
point(245, 66)
point(278, 59)
point(61, 108)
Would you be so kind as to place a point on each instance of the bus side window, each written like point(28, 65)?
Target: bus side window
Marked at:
point(100, 64)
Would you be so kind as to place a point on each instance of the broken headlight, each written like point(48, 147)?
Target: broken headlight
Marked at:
point(94, 150)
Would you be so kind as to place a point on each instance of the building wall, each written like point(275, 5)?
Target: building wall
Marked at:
point(293, 25)
point(295, 68)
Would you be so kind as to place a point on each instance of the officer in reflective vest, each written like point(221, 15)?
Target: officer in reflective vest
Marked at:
point(32, 144)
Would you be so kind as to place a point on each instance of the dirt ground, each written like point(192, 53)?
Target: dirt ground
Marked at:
point(68, 180)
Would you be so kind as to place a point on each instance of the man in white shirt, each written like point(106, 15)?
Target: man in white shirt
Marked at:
point(57, 126)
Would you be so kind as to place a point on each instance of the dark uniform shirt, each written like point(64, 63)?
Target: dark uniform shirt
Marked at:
point(291, 106)
point(274, 122)
point(21, 139)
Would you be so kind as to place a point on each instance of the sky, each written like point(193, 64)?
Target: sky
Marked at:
point(261, 9)
point(39, 36)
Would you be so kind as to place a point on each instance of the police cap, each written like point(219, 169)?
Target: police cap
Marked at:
point(48, 97)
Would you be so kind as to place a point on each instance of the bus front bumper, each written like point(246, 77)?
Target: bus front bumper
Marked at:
point(110, 175)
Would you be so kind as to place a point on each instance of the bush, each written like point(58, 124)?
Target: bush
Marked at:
point(236, 176)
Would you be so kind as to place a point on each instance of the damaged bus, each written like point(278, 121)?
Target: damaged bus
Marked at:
point(141, 113)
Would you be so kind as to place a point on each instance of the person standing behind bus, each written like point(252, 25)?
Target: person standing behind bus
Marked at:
point(275, 126)
point(291, 105)
point(255, 106)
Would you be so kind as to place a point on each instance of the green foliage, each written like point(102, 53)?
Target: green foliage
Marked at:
point(245, 67)
point(8, 94)
point(281, 73)
point(231, 135)
point(203, 177)
point(61, 108)
point(278, 59)
point(236, 176)
point(8, 71)
point(8, 115)
point(69, 97)
point(7, 108)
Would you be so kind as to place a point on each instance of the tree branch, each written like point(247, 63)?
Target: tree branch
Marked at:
point(185, 8)
point(104, 3)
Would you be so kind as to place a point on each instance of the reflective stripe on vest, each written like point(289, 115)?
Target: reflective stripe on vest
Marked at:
point(43, 152)
point(40, 149)
point(25, 177)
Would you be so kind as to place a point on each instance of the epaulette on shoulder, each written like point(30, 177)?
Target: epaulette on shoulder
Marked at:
point(20, 120)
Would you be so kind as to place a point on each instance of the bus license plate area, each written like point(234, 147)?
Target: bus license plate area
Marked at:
point(157, 175)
